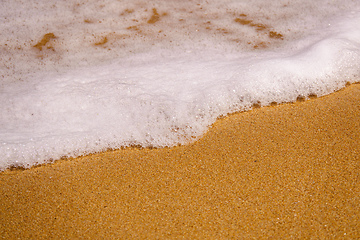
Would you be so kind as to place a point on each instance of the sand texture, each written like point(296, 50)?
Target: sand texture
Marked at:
point(289, 171)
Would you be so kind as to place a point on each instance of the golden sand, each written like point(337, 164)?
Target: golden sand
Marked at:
point(289, 171)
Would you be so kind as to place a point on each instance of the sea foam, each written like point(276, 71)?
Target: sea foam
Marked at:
point(153, 80)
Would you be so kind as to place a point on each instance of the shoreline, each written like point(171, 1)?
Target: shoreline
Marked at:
point(127, 148)
point(290, 170)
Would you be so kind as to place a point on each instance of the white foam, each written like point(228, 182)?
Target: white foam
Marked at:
point(159, 89)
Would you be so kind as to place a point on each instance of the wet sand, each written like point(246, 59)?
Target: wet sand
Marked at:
point(289, 171)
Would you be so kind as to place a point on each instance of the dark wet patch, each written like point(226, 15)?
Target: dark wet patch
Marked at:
point(300, 99)
point(135, 28)
point(16, 168)
point(312, 96)
point(273, 34)
point(257, 105)
point(102, 42)
point(260, 45)
point(259, 27)
point(243, 21)
point(155, 17)
point(127, 11)
point(46, 38)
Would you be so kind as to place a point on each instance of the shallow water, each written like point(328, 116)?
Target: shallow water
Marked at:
point(82, 77)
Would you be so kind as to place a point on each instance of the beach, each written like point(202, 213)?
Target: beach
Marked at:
point(286, 171)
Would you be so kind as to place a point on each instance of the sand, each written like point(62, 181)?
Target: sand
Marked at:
point(287, 171)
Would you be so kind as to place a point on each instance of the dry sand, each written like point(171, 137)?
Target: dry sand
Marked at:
point(289, 171)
